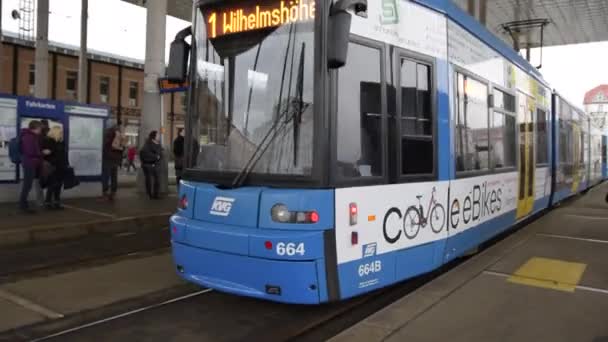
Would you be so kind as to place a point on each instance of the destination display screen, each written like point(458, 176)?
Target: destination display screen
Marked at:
point(256, 15)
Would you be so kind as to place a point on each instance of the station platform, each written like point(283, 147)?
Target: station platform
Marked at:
point(130, 211)
point(546, 282)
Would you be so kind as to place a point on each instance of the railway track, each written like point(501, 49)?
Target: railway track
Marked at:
point(207, 315)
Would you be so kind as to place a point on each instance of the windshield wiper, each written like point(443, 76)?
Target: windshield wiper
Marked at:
point(300, 105)
point(267, 140)
point(273, 131)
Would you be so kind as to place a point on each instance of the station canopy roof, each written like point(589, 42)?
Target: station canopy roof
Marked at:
point(565, 21)
point(176, 8)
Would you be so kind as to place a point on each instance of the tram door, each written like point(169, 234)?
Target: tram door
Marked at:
point(527, 167)
point(577, 156)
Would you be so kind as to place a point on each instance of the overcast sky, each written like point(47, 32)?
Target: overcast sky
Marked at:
point(115, 26)
point(119, 28)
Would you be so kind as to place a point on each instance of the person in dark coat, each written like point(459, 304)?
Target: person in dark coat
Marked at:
point(39, 184)
point(178, 154)
point(112, 157)
point(31, 160)
point(58, 159)
point(150, 156)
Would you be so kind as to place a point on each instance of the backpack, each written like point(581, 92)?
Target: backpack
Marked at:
point(14, 152)
point(146, 156)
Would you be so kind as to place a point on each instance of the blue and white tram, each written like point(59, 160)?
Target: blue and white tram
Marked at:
point(339, 147)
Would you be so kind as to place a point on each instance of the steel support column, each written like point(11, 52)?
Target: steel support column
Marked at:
point(152, 117)
point(41, 83)
point(1, 39)
point(483, 12)
point(82, 60)
point(471, 7)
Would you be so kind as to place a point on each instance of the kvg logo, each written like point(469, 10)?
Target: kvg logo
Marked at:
point(221, 206)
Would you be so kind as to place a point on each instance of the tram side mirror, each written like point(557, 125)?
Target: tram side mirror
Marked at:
point(339, 30)
point(177, 71)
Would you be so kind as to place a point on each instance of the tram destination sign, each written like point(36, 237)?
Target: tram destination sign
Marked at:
point(247, 16)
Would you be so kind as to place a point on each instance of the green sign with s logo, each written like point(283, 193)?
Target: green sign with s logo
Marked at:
point(390, 15)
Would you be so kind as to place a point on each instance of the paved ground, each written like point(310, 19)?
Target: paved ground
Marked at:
point(48, 298)
point(130, 212)
point(50, 258)
point(141, 298)
point(547, 282)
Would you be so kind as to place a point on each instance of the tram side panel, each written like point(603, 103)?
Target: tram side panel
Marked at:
point(568, 146)
point(605, 157)
point(399, 232)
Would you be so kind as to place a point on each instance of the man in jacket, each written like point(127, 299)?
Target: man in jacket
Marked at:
point(112, 157)
point(178, 153)
point(31, 160)
point(151, 155)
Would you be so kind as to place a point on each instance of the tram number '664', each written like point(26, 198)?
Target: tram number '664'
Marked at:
point(370, 268)
point(290, 249)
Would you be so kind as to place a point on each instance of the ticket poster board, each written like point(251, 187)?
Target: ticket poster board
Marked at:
point(83, 127)
point(8, 130)
point(86, 139)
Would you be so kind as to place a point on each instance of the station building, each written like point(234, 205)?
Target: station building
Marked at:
point(596, 104)
point(113, 81)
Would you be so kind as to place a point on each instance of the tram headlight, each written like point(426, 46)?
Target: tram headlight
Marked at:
point(280, 213)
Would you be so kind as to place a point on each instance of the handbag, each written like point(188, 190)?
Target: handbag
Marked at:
point(70, 181)
point(46, 170)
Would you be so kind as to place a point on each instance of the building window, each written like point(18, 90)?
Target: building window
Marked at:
point(104, 89)
point(416, 139)
point(32, 77)
point(502, 133)
point(360, 114)
point(472, 149)
point(184, 102)
point(133, 93)
point(71, 84)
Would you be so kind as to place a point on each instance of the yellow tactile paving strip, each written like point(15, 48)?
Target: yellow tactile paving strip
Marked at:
point(549, 273)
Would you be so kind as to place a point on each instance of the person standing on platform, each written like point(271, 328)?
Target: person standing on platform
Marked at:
point(58, 159)
point(150, 156)
point(131, 153)
point(31, 160)
point(38, 185)
point(178, 154)
point(112, 156)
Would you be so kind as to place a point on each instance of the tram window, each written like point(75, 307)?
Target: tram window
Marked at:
point(504, 101)
point(472, 150)
point(541, 137)
point(417, 150)
point(502, 137)
point(360, 114)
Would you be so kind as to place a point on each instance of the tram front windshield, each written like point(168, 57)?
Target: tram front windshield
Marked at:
point(254, 87)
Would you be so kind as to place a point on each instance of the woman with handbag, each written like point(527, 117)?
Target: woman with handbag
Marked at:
point(150, 156)
point(58, 161)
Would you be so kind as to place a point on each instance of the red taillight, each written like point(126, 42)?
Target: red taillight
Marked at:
point(183, 203)
point(353, 211)
point(268, 244)
point(314, 217)
point(174, 230)
point(354, 238)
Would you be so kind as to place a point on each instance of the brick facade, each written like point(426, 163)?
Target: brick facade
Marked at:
point(17, 82)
